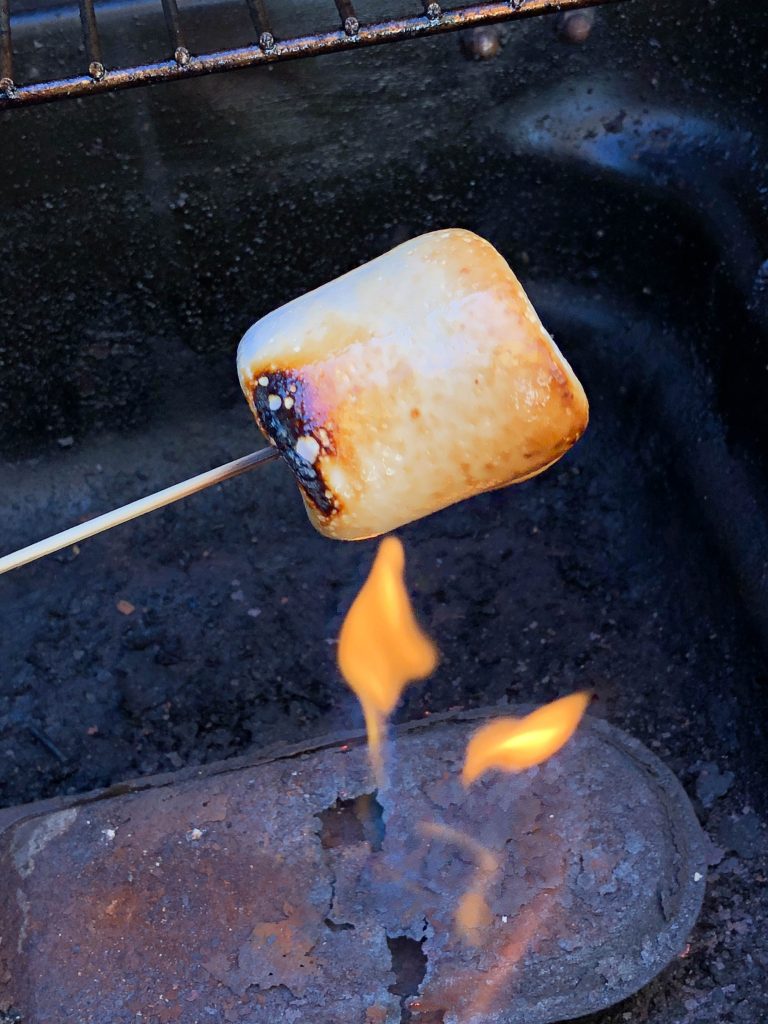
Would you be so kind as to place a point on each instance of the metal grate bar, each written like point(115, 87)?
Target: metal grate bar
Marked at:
point(260, 19)
point(349, 21)
point(91, 39)
point(173, 24)
point(396, 29)
point(6, 49)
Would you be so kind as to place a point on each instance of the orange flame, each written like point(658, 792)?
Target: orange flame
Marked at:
point(514, 744)
point(473, 912)
point(381, 646)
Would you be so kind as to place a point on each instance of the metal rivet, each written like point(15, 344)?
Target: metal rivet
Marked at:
point(482, 43)
point(575, 26)
point(96, 70)
point(351, 26)
point(182, 56)
point(267, 41)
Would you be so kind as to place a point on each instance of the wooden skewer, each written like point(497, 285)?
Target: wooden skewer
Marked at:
point(136, 508)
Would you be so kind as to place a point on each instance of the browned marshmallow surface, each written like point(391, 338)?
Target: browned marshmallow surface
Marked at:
point(410, 383)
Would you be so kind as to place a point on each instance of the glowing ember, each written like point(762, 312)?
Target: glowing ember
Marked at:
point(381, 646)
point(514, 744)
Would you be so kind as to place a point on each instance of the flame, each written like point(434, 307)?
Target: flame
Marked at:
point(514, 744)
point(381, 646)
point(473, 913)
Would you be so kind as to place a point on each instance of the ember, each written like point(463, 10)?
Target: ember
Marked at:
point(381, 646)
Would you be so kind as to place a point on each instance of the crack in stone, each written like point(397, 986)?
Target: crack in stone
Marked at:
point(358, 820)
point(338, 926)
point(346, 823)
point(409, 966)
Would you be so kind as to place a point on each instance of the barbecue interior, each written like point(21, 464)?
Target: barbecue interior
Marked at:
point(627, 194)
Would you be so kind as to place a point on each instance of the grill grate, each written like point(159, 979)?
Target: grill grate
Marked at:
point(350, 34)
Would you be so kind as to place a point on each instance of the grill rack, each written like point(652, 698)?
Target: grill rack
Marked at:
point(349, 34)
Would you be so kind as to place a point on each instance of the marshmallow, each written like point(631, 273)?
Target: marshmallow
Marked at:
point(415, 381)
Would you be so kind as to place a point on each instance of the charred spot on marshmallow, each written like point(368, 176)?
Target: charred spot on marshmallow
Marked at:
point(284, 412)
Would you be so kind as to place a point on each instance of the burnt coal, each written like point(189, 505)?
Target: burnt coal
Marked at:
point(712, 784)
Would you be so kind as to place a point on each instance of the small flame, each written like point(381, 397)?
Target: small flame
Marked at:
point(473, 913)
point(514, 744)
point(381, 646)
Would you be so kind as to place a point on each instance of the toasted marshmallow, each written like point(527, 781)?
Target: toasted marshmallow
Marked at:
point(410, 383)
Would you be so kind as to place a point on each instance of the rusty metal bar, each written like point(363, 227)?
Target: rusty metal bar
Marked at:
point(91, 40)
point(6, 49)
point(349, 21)
point(290, 49)
point(173, 24)
point(258, 11)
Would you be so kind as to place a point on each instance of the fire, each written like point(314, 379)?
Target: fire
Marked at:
point(381, 646)
point(514, 744)
point(473, 912)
